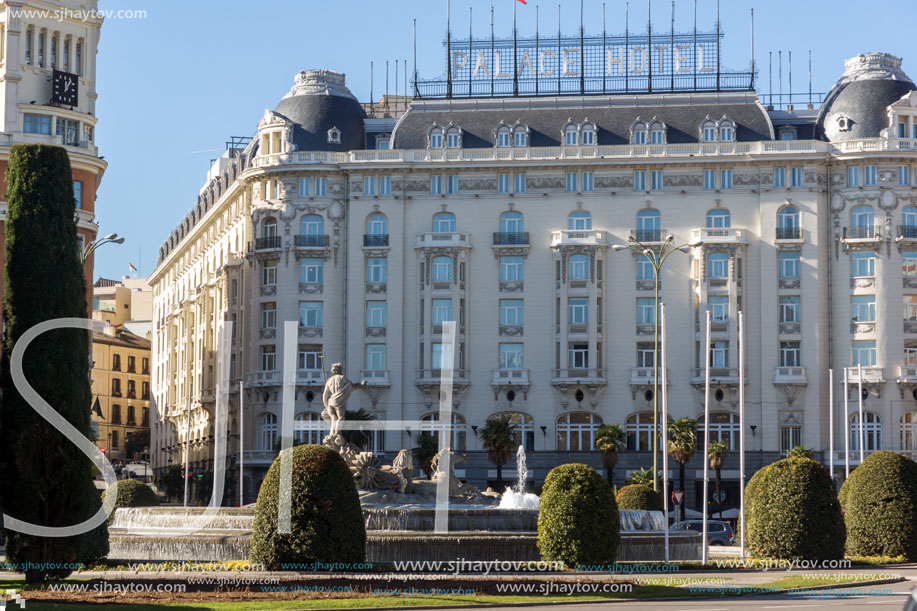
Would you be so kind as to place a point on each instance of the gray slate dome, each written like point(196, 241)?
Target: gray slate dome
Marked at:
point(318, 103)
point(856, 106)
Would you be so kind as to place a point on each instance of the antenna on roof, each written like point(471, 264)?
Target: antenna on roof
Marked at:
point(372, 72)
point(416, 91)
point(396, 81)
point(718, 64)
point(627, 46)
point(695, 45)
point(449, 48)
point(770, 77)
point(790, 53)
point(672, 47)
point(386, 86)
point(649, 41)
point(558, 49)
point(753, 49)
point(582, 50)
point(780, 77)
point(604, 46)
point(810, 78)
point(470, 49)
point(537, 25)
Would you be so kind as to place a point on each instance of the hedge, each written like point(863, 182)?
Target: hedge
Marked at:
point(132, 493)
point(639, 496)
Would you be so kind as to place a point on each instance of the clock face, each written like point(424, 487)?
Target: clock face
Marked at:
point(64, 88)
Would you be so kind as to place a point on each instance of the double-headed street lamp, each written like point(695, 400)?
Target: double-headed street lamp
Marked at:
point(111, 238)
point(656, 254)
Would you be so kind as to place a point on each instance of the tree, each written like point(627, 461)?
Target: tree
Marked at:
point(173, 482)
point(800, 452)
point(357, 437)
point(716, 454)
point(137, 443)
point(498, 436)
point(643, 477)
point(682, 444)
point(46, 479)
point(609, 439)
point(427, 447)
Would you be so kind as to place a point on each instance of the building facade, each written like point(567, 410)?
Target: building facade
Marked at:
point(502, 214)
point(48, 89)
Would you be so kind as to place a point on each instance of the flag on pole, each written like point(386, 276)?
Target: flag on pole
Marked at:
point(131, 265)
point(522, 1)
point(97, 409)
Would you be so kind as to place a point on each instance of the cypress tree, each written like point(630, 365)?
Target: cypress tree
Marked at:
point(45, 479)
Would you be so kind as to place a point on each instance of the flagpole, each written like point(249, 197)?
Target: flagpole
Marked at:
point(665, 434)
point(846, 420)
point(448, 48)
point(831, 423)
point(626, 47)
point(470, 49)
point(706, 486)
point(187, 446)
point(604, 51)
point(649, 42)
point(537, 45)
point(741, 432)
point(860, 430)
point(241, 446)
point(582, 50)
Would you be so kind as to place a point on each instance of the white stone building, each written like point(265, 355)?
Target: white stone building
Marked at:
point(502, 214)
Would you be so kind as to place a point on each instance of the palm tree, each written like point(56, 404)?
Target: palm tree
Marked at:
point(357, 437)
point(717, 453)
point(682, 444)
point(800, 452)
point(427, 447)
point(498, 436)
point(609, 439)
point(641, 476)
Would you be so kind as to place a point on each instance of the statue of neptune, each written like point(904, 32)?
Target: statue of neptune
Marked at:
point(337, 391)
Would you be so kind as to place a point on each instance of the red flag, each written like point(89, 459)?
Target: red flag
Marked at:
point(522, 1)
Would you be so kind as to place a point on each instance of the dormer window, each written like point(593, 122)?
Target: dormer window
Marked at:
point(436, 138)
point(454, 138)
point(708, 131)
point(588, 135)
point(843, 123)
point(521, 136)
point(657, 133)
point(571, 135)
point(503, 137)
point(334, 136)
point(727, 131)
point(787, 132)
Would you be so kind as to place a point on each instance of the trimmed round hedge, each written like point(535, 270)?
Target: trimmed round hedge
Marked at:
point(326, 519)
point(879, 501)
point(132, 493)
point(578, 519)
point(639, 496)
point(793, 512)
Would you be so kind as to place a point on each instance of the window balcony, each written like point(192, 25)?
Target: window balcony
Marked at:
point(907, 374)
point(310, 241)
point(790, 375)
point(871, 375)
point(579, 376)
point(378, 240)
point(907, 234)
point(309, 377)
point(868, 233)
point(518, 238)
point(643, 376)
point(579, 238)
point(649, 236)
point(263, 378)
point(436, 239)
point(376, 377)
point(785, 234)
point(719, 235)
point(718, 376)
point(510, 380)
point(435, 376)
point(270, 243)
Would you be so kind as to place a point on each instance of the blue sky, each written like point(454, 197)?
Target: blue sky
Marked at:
point(175, 86)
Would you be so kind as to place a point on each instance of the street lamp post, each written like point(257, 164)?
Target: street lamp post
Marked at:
point(656, 255)
point(112, 238)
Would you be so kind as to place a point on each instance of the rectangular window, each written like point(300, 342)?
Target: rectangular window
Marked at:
point(369, 185)
point(718, 265)
point(310, 358)
point(571, 182)
point(268, 356)
point(37, 124)
point(645, 269)
point(639, 137)
point(797, 177)
point(640, 180)
point(910, 353)
point(78, 194)
point(790, 354)
point(789, 309)
point(725, 179)
point(453, 141)
point(311, 271)
point(790, 437)
point(656, 180)
point(789, 264)
point(709, 180)
point(709, 134)
point(910, 308)
point(870, 176)
point(320, 186)
point(442, 356)
point(78, 63)
point(902, 129)
point(115, 441)
point(511, 312)
point(503, 183)
point(436, 185)
point(646, 311)
point(511, 269)
point(588, 182)
point(41, 49)
point(385, 185)
point(719, 354)
point(268, 315)
point(862, 264)
point(909, 263)
point(453, 184)
point(375, 357)
point(28, 45)
point(904, 175)
point(442, 311)
point(863, 352)
point(375, 314)
point(436, 140)
point(645, 355)
point(519, 138)
point(579, 310)
point(719, 309)
point(510, 356)
point(310, 314)
point(578, 356)
point(779, 177)
point(376, 269)
point(853, 176)
point(503, 139)
point(269, 273)
point(520, 183)
point(304, 187)
point(863, 308)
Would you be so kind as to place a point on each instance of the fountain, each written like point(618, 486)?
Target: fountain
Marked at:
point(516, 497)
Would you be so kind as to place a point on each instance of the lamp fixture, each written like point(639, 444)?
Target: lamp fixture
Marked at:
point(474, 428)
point(753, 429)
point(544, 430)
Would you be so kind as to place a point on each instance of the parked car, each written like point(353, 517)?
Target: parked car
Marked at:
point(718, 532)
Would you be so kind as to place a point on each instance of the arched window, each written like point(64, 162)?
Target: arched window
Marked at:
point(638, 132)
point(639, 430)
point(578, 267)
point(442, 269)
point(444, 222)
point(312, 224)
point(377, 224)
point(511, 222)
point(579, 220)
point(588, 135)
point(872, 432)
point(525, 428)
point(454, 138)
point(723, 427)
point(576, 431)
point(788, 223)
point(718, 218)
point(308, 427)
point(571, 135)
point(909, 432)
point(431, 424)
point(268, 431)
point(504, 136)
point(862, 222)
point(708, 131)
point(649, 225)
point(521, 136)
point(727, 130)
point(657, 133)
point(436, 138)
point(269, 228)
